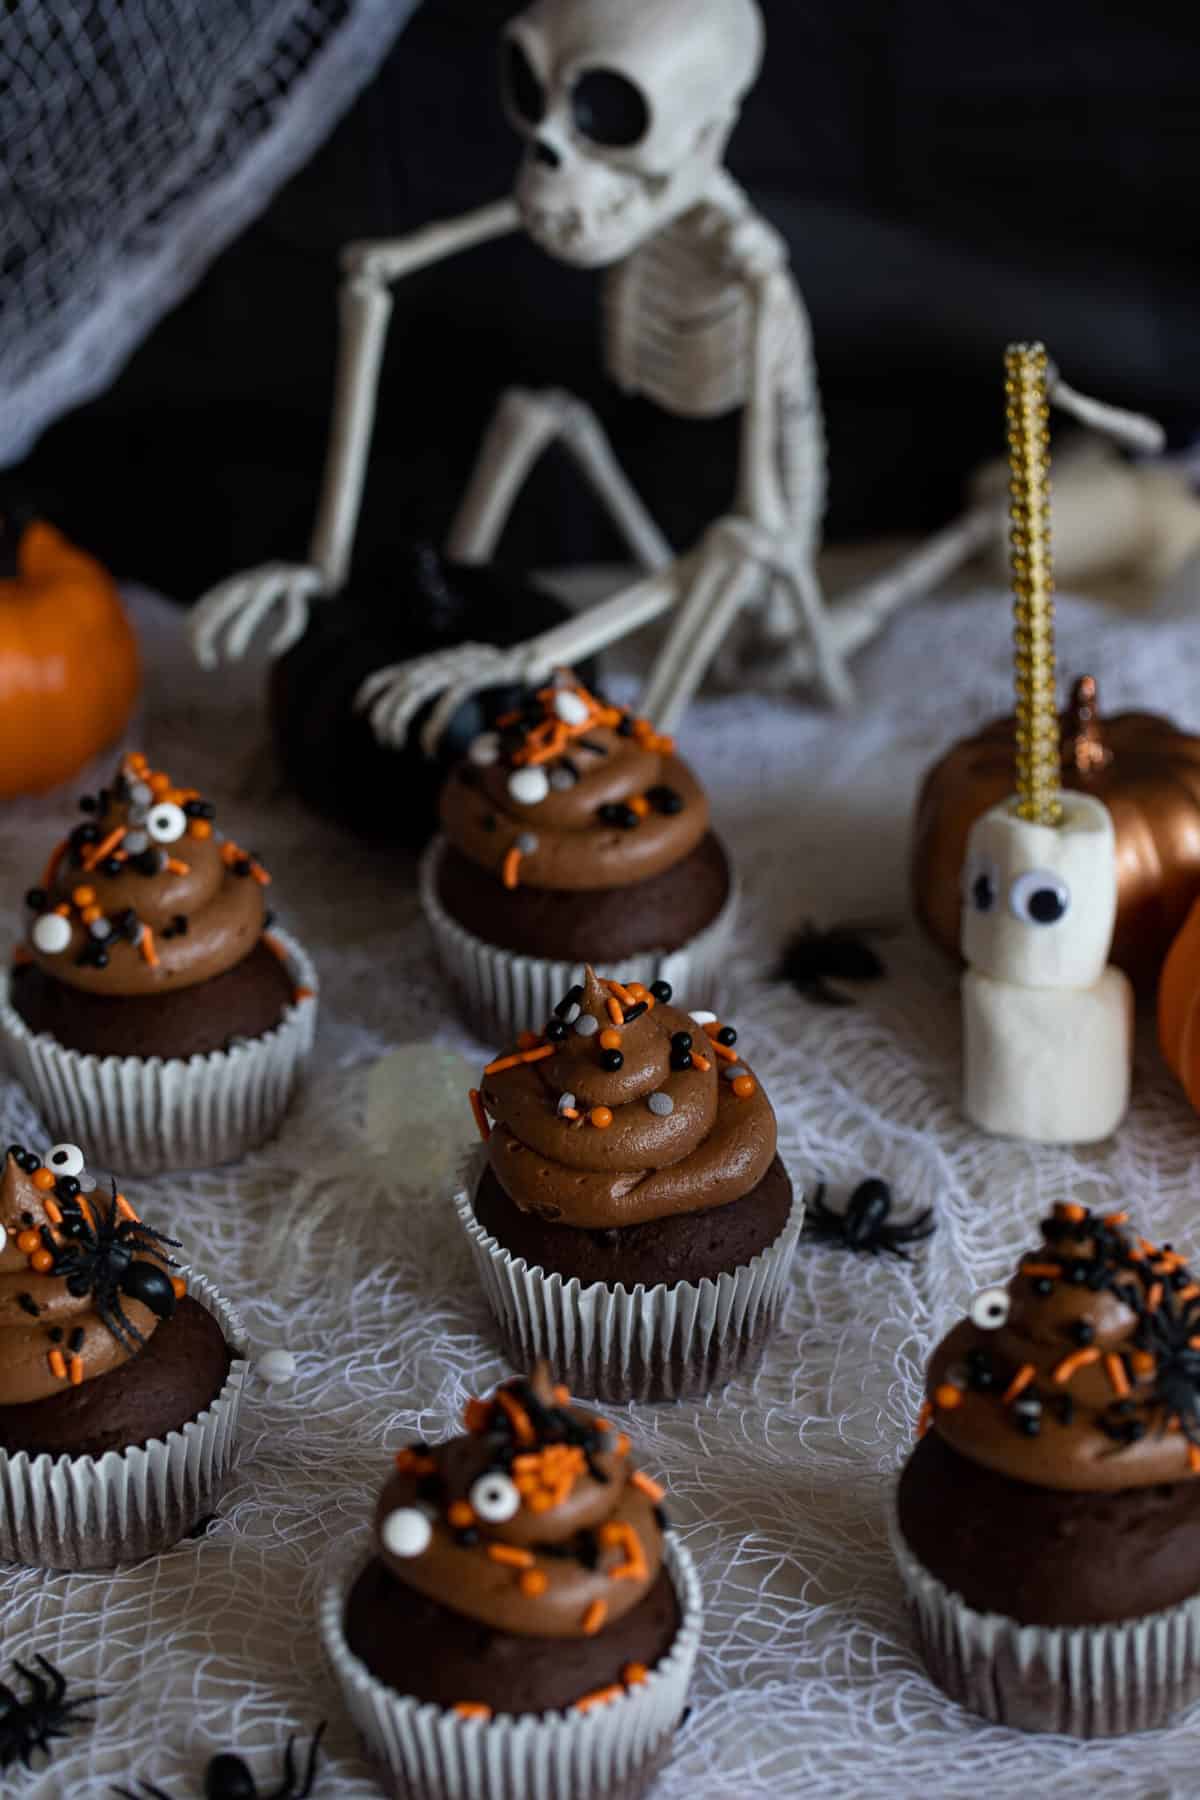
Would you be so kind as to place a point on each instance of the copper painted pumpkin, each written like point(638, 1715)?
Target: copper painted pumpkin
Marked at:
point(1145, 770)
point(68, 658)
point(1179, 1007)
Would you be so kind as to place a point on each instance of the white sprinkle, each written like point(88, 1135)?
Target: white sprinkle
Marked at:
point(527, 843)
point(136, 842)
point(586, 1025)
point(731, 1071)
point(662, 1104)
point(565, 1101)
point(703, 1018)
point(101, 929)
point(51, 934)
point(571, 1014)
point(528, 787)
point(484, 750)
point(141, 794)
point(405, 1532)
point(275, 1365)
point(561, 779)
point(570, 708)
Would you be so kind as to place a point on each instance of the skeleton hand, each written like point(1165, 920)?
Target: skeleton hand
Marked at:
point(224, 620)
point(392, 697)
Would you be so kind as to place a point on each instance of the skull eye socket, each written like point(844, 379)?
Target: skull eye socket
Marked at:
point(524, 91)
point(1039, 897)
point(609, 110)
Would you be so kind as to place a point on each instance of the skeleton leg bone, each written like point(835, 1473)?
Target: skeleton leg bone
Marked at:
point(523, 428)
point(723, 578)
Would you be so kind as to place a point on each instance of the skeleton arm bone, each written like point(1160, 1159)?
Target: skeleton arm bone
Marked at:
point(224, 621)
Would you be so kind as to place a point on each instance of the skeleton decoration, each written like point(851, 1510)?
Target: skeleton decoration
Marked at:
point(1047, 1023)
point(625, 107)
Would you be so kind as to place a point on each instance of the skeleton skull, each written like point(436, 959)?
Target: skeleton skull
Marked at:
point(626, 107)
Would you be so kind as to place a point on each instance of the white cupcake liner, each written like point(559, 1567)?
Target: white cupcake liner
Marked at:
point(430, 1753)
point(84, 1512)
point(142, 1115)
point(503, 994)
point(1087, 1681)
point(617, 1343)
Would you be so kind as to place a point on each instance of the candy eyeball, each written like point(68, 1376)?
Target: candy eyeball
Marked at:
point(65, 1159)
point(989, 1308)
point(51, 934)
point(981, 882)
point(494, 1498)
point(166, 822)
point(1039, 897)
point(406, 1532)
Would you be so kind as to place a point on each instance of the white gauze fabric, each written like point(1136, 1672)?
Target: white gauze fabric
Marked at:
point(137, 138)
point(339, 1242)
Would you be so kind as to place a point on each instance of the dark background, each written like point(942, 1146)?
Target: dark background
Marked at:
point(950, 174)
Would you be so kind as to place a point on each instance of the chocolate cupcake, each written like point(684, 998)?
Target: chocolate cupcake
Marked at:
point(119, 1379)
point(633, 1219)
point(1048, 1521)
point(573, 834)
point(149, 1008)
point(524, 1622)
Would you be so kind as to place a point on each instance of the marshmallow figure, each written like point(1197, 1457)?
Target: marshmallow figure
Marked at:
point(1047, 1023)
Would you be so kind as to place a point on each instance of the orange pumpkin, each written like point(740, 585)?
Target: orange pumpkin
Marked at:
point(1179, 1007)
point(1140, 765)
point(68, 659)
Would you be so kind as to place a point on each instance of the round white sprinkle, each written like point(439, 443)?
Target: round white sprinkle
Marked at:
point(570, 708)
point(561, 780)
point(141, 794)
point(662, 1104)
point(406, 1532)
point(527, 843)
point(586, 1025)
point(100, 928)
point(484, 750)
point(136, 842)
point(51, 934)
point(565, 1101)
point(275, 1365)
point(571, 1014)
point(703, 1018)
point(731, 1071)
point(529, 787)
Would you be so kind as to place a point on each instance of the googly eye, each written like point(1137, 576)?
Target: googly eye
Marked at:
point(981, 883)
point(406, 1532)
point(1039, 897)
point(51, 934)
point(989, 1308)
point(166, 822)
point(494, 1498)
point(529, 787)
point(65, 1159)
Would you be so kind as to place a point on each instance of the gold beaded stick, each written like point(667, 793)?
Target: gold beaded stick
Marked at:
point(1038, 769)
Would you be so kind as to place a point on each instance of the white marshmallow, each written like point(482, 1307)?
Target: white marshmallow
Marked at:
point(1050, 1065)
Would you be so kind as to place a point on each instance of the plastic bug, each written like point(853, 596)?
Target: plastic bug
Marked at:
point(28, 1725)
point(1170, 1333)
point(842, 952)
point(98, 1259)
point(863, 1226)
point(228, 1778)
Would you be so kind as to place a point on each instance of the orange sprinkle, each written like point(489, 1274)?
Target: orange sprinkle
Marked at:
point(610, 1040)
point(533, 1582)
point(1194, 1459)
point(562, 1395)
point(638, 991)
point(639, 805)
point(1189, 1292)
point(1143, 1362)
point(924, 1418)
point(1114, 1368)
point(724, 1052)
point(274, 946)
point(644, 1485)
point(568, 1112)
point(1071, 1212)
point(1020, 1382)
point(472, 1709)
point(522, 1056)
point(303, 993)
point(146, 945)
point(41, 1262)
point(90, 914)
point(482, 1122)
point(159, 783)
point(528, 1040)
point(598, 1696)
point(1047, 1271)
point(634, 1673)
point(622, 1445)
point(743, 1086)
point(460, 1514)
point(259, 874)
point(83, 896)
point(200, 828)
point(947, 1396)
point(619, 1534)
point(411, 1462)
point(44, 1179)
point(1116, 1218)
point(58, 1365)
point(136, 761)
point(700, 1062)
point(123, 1207)
point(511, 1554)
point(76, 1371)
point(52, 1211)
point(592, 1619)
point(614, 1010)
point(517, 1416)
point(96, 853)
point(1078, 1359)
point(28, 1242)
point(1154, 1296)
point(601, 1117)
point(509, 868)
point(176, 867)
point(620, 992)
point(178, 1286)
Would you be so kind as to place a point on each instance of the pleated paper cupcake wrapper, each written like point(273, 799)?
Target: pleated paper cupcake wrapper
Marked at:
point(141, 1115)
point(503, 994)
point(430, 1753)
point(618, 1343)
point(84, 1512)
point(1087, 1681)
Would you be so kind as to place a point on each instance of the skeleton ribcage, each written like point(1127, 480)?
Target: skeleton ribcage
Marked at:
point(679, 330)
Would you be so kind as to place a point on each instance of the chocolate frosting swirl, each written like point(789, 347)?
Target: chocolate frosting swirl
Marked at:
point(145, 895)
point(573, 794)
point(67, 1267)
point(678, 1125)
point(533, 1523)
point(1084, 1373)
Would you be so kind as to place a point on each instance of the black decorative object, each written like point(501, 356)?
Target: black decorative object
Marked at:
point(863, 1226)
point(228, 1778)
point(29, 1725)
point(842, 953)
point(98, 1258)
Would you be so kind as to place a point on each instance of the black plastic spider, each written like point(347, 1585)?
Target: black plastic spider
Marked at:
point(28, 1725)
point(1169, 1332)
point(842, 952)
point(862, 1226)
point(228, 1778)
point(98, 1259)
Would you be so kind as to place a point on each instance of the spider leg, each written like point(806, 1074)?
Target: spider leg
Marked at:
point(820, 993)
point(37, 1687)
point(920, 1227)
point(147, 1792)
point(892, 1249)
point(310, 1772)
point(114, 1318)
point(58, 1680)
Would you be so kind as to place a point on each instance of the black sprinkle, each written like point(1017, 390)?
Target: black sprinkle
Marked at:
point(1065, 1406)
point(727, 1036)
point(180, 924)
point(467, 1539)
point(681, 1040)
point(55, 1334)
point(615, 812)
point(661, 1519)
point(487, 821)
point(199, 809)
point(681, 1059)
point(1042, 1286)
point(242, 866)
point(564, 762)
point(112, 865)
point(147, 863)
point(589, 744)
point(588, 1549)
point(611, 1060)
point(1083, 1331)
point(35, 899)
point(555, 1031)
point(665, 800)
point(76, 1341)
point(573, 998)
point(28, 1304)
point(87, 803)
point(67, 1187)
point(635, 1012)
point(624, 727)
point(662, 990)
